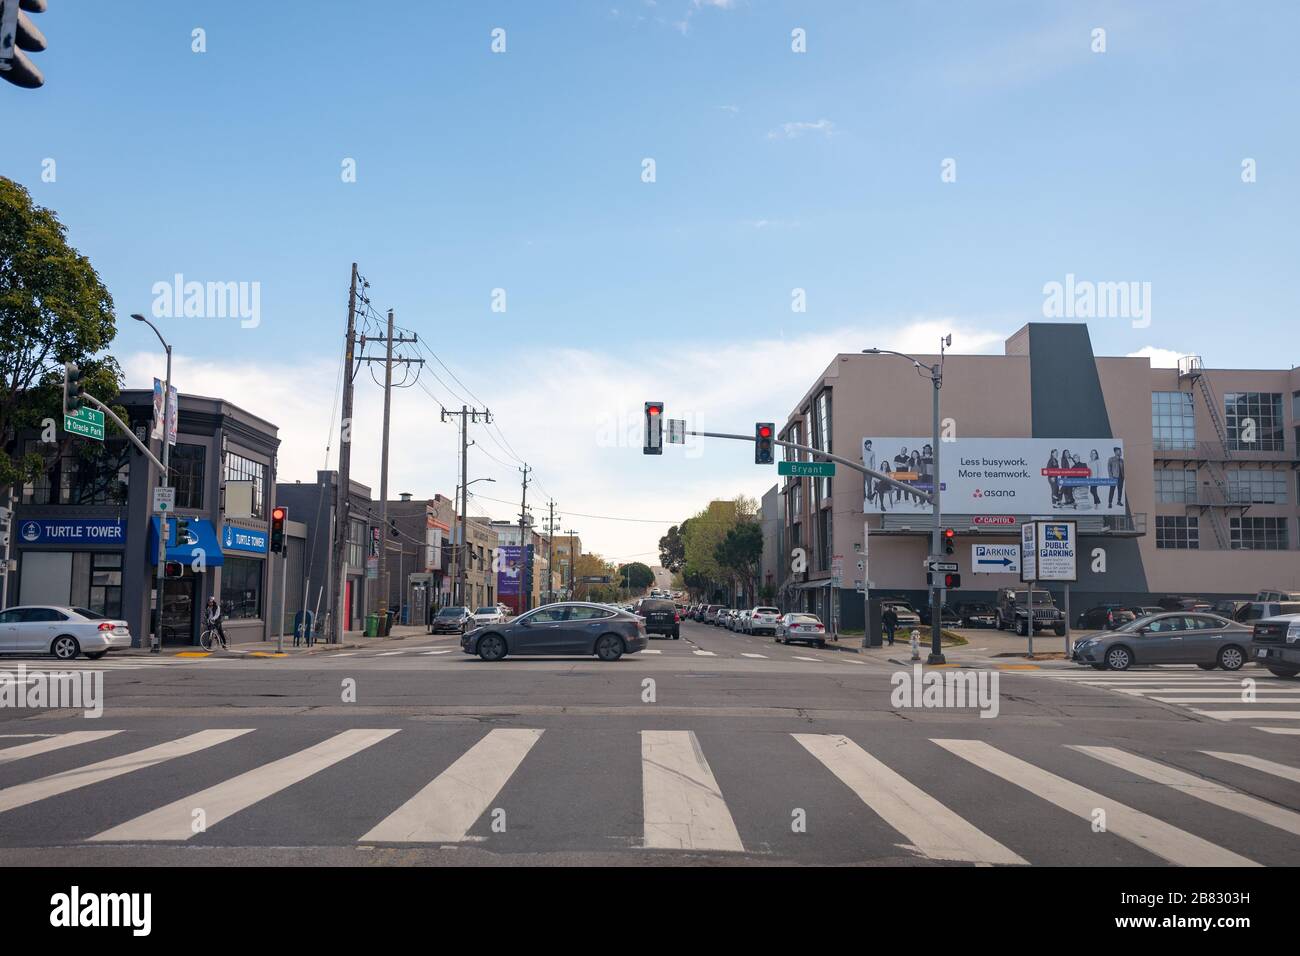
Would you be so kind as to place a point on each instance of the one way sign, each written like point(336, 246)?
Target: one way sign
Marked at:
point(995, 558)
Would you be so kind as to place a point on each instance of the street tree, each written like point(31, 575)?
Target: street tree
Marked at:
point(635, 576)
point(672, 547)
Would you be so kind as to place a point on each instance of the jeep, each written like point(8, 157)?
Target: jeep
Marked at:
point(1013, 612)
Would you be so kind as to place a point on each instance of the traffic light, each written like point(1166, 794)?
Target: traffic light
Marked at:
point(74, 383)
point(182, 526)
point(18, 33)
point(948, 535)
point(952, 580)
point(763, 432)
point(654, 428)
point(173, 569)
point(279, 515)
point(392, 527)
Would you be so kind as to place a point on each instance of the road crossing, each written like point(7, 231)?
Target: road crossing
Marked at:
point(942, 799)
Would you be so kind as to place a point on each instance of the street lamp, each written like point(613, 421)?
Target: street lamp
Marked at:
point(155, 643)
point(463, 554)
point(936, 533)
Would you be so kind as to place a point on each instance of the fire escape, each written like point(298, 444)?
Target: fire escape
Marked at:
point(1213, 497)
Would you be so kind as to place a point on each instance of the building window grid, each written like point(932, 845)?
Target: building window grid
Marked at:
point(1258, 534)
point(1173, 421)
point(1256, 486)
point(239, 468)
point(1177, 532)
point(1262, 408)
point(185, 468)
point(1176, 485)
point(100, 477)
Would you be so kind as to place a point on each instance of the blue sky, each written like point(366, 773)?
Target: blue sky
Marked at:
point(774, 171)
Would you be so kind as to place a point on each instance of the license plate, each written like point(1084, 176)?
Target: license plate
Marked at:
point(1262, 652)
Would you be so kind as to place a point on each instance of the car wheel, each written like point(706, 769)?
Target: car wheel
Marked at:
point(96, 656)
point(998, 623)
point(1118, 658)
point(65, 648)
point(1022, 628)
point(1231, 658)
point(1284, 671)
point(609, 647)
point(491, 647)
point(1060, 631)
point(1207, 667)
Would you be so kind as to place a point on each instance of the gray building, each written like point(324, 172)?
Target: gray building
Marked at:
point(84, 535)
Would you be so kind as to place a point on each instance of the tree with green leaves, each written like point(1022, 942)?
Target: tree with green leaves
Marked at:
point(672, 547)
point(739, 553)
point(635, 576)
point(53, 309)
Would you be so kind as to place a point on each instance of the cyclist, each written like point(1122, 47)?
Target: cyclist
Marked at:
point(214, 619)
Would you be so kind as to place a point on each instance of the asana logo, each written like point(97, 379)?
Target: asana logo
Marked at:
point(993, 493)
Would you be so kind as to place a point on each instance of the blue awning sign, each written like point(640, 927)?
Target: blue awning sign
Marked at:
point(235, 538)
point(200, 543)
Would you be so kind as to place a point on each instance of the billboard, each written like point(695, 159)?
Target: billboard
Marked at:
point(1000, 476)
point(511, 571)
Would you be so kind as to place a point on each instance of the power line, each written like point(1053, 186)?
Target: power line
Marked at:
point(579, 514)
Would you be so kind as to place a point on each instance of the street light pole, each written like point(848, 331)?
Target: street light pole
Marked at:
point(155, 643)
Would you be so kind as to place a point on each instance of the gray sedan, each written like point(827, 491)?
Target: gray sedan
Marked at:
point(1177, 637)
point(568, 628)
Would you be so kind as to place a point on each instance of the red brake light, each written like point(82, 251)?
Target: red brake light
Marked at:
point(105, 626)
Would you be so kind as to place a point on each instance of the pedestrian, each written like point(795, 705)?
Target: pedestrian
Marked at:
point(890, 620)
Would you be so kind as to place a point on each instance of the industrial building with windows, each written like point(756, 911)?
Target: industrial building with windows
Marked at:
point(1182, 481)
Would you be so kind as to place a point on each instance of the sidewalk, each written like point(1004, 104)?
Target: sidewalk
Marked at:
point(351, 640)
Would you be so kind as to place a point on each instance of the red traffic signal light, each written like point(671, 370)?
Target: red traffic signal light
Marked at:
point(952, 580)
point(654, 429)
point(948, 535)
point(279, 515)
point(763, 442)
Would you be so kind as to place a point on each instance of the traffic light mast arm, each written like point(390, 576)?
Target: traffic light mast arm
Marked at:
point(108, 413)
point(920, 496)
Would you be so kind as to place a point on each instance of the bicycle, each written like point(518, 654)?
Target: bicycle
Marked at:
point(211, 639)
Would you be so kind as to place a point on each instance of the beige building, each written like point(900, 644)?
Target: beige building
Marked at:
point(1200, 500)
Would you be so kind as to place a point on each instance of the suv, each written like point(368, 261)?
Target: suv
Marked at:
point(710, 615)
point(1275, 644)
point(1013, 612)
point(907, 616)
point(661, 617)
point(1278, 596)
point(1105, 616)
point(1258, 610)
point(451, 620)
point(977, 614)
point(763, 619)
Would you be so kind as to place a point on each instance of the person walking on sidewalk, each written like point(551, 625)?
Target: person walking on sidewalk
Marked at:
point(890, 620)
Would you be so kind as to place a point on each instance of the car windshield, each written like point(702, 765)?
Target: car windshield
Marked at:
point(451, 612)
point(804, 619)
point(977, 608)
point(487, 610)
point(1040, 597)
point(766, 610)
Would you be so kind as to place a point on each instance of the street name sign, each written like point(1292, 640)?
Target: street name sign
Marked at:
point(806, 469)
point(86, 422)
point(995, 558)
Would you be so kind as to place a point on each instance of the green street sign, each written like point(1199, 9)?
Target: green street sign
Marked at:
point(806, 469)
point(86, 422)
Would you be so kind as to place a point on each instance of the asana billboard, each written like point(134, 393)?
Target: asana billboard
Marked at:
point(1000, 476)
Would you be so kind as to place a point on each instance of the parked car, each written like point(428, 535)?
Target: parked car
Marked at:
point(1259, 610)
point(977, 614)
point(567, 628)
point(661, 617)
point(763, 620)
point(1275, 644)
point(1013, 612)
point(907, 616)
point(1105, 617)
point(451, 620)
point(1277, 595)
point(1171, 637)
point(799, 626)
point(488, 615)
point(710, 615)
point(720, 619)
point(736, 622)
point(1175, 603)
point(948, 616)
point(1229, 608)
point(62, 631)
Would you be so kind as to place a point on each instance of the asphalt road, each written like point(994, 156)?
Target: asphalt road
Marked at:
point(720, 748)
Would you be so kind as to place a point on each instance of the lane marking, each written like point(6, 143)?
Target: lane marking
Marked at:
point(1153, 835)
point(10, 754)
point(445, 809)
point(1248, 714)
point(58, 783)
point(1292, 731)
point(762, 657)
point(928, 825)
point(704, 654)
point(1260, 699)
point(815, 660)
point(652, 650)
point(1199, 787)
point(1258, 763)
point(682, 806)
point(175, 821)
point(433, 653)
point(389, 653)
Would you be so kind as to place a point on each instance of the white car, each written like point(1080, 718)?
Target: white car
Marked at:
point(763, 619)
point(801, 627)
point(488, 615)
point(64, 632)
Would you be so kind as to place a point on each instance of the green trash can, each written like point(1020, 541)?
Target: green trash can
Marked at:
point(372, 625)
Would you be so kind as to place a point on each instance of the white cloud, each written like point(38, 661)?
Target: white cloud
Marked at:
point(575, 415)
point(1160, 358)
point(796, 129)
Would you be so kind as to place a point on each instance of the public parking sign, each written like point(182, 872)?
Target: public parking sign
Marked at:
point(1049, 551)
point(995, 558)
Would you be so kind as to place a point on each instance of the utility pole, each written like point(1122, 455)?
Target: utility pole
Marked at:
point(573, 565)
point(550, 551)
point(460, 542)
point(525, 600)
point(388, 360)
point(342, 521)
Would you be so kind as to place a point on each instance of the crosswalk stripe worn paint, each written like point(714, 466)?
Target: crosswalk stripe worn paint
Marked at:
point(683, 808)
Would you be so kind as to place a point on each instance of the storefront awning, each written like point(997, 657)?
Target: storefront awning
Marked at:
point(806, 585)
point(201, 539)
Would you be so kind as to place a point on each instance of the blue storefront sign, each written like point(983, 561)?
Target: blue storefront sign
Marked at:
point(234, 538)
point(72, 531)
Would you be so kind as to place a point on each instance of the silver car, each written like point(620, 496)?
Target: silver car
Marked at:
point(1173, 637)
point(64, 632)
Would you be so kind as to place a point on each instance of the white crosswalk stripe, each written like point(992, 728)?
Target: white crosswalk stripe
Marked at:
point(56, 742)
point(931, 827)
point(176, 820)
point(1258, 763)
point(682, 804)
point(1165, 841)
point(444, 811)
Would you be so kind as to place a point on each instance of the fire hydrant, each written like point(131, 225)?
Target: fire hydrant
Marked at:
point(916, 645)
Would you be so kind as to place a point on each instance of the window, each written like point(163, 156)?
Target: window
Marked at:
point(1176, 531)
point(824, 549)
point(239, 468)
point(241, 588)
point(584, 613)
point(1256, 486)
point(185, 469)
point(1258, 534)
point(792, 436)
point(1173, 421)
point(356, 544)
point(1176, 485)
point(87, 473)
point(822, 437)
point(796, 500)
point(106, 583)
point(1254, 420)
